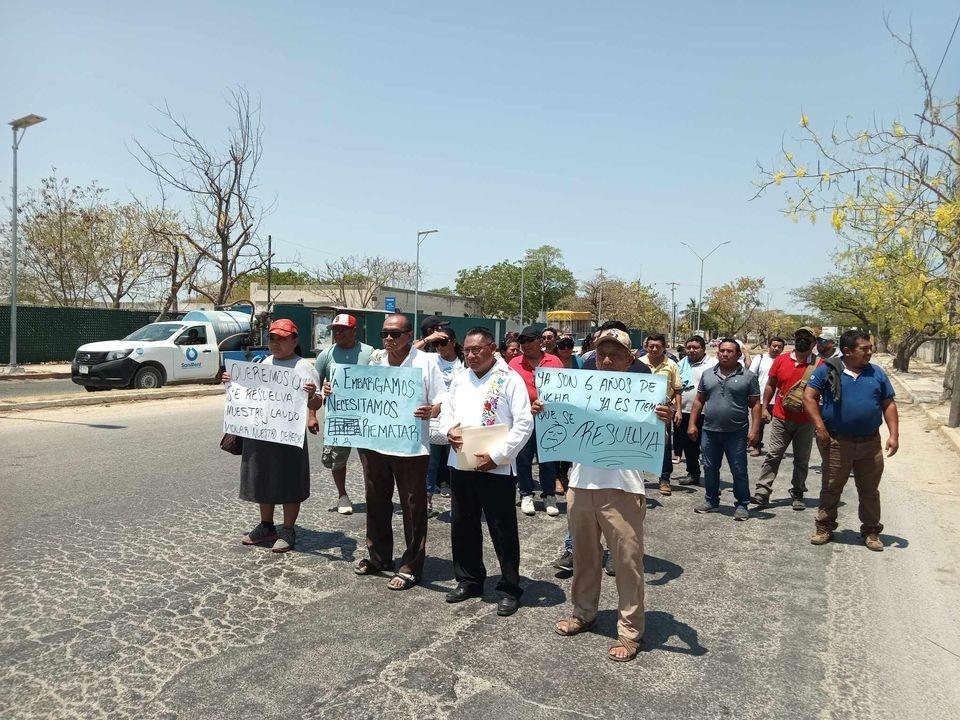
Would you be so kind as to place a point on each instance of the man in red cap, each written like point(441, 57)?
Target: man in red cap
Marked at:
point(345, 350)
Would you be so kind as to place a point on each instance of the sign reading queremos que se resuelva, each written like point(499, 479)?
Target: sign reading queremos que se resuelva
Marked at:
point(265, 402)
point(372, 407)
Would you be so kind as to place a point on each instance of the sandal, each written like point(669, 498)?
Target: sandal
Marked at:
point(407, 581)
point(575, 626)
point(631, 646)
point(367, 567)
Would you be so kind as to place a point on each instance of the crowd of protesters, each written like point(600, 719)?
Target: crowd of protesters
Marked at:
point(723, 407)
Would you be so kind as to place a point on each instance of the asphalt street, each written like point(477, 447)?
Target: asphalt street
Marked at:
point(127, 594)
point(23, 389)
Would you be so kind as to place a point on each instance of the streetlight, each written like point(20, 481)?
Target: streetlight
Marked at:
point(19, 127)
point(416, 291)
point(523, 264)
point(703, 259)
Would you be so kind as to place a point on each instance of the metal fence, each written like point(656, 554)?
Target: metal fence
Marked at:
point(51, 334)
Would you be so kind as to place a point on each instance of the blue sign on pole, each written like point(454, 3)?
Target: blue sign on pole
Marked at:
point(390, 303)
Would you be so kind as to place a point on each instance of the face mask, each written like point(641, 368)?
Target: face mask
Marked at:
point(803, 344)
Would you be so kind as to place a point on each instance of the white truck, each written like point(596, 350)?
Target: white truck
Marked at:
point(162, 353)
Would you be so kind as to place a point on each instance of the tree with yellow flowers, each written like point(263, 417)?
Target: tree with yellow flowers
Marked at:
point(891, 191)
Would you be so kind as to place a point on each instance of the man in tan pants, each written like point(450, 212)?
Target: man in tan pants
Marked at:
point(611, 503)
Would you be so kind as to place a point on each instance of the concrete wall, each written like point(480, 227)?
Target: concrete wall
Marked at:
point(430, 303)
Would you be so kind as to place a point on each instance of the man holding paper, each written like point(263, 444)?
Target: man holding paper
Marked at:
point(383, 469)
point(486, 415)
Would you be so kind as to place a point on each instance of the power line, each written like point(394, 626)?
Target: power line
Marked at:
point(949, 42)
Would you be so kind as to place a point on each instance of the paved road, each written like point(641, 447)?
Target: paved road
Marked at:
point(126, 594)
point(21, 389)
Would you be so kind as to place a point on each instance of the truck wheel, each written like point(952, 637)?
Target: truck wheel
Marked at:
point(147, 378)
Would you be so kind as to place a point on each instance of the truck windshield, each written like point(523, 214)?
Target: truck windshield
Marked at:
point(155, 333)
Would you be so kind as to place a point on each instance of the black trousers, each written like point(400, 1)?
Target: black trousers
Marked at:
point(473, 493)
point(686, 447)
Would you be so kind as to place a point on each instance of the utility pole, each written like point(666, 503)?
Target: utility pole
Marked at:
point(703, 259)
point(600, 298)
point(523, 264)
point(673, 316)
point(269, 271)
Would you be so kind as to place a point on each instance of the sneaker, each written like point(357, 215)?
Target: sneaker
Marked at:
point(706, 507)
point(286, 540)
point(821, 537)
point(873, 542)
point(445, 491)
point(760, 500)
point(564, 562)
point(550, 505)
point(741, 513)
point(262, 533)
point(665, 488)
point(526, 505)
point(798, 504)
point(608, 566)
point(344, 507)
point(690, 480)
point(431, 513)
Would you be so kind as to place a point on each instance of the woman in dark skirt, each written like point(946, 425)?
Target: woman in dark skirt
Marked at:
point(271, 473)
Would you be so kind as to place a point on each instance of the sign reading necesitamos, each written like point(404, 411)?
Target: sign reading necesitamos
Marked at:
point(265, 402)
point(372, 407)
point(601, 418)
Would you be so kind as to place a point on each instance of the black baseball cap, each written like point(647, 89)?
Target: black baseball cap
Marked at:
point(430, 323)
point(530, 331)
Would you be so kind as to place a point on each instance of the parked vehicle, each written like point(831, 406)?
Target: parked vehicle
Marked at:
point(189, 350)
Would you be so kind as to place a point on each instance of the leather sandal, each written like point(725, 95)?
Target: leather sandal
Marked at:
point(407, 581)
point(631, 646)
point(367, 567)
point(575, 626)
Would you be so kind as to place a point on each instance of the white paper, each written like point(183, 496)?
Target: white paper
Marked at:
point(483, 439)
point(266, 402)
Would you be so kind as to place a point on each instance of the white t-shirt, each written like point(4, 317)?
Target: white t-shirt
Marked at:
point(760, 366)
point(433, 391)
point(588, 477)
point(448, 368)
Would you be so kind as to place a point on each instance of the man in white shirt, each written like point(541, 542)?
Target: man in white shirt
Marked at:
point(760, 366)
point(488, 393)
point(611, 503)
point(381, 470)
point(696, 360)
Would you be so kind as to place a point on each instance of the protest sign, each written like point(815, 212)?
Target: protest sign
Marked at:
point(372, 407)
point(601, 418)
point(265, 402)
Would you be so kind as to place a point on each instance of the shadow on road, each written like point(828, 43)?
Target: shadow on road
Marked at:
point(658, 566)
point(98, 426)
point(852, 537)
point(660, 627)
point(316, 542)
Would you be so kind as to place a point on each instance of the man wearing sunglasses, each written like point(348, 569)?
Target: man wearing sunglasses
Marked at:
point(531, 357)
point(383, 470)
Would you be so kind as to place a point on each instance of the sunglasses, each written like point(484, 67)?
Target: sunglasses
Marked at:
point(384, 334)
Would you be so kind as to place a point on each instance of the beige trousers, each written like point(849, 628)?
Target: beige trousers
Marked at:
point(618, 517)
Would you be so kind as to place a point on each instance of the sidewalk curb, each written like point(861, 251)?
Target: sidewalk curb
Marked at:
point(952, 438)
point(37, 376)
point(111, 399)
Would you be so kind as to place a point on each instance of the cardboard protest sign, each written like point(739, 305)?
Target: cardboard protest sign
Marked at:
point(372, 407)
point(265, 402)
point(600, 418)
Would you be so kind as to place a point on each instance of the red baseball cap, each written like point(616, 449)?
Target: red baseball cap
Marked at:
point(282, 327)
point(343, 320)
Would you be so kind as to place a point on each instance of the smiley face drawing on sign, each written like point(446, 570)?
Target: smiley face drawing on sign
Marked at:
point(553, 437)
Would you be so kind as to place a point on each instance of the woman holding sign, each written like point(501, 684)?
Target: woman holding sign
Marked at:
point(272, 473)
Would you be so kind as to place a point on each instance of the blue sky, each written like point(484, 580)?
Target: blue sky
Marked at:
point(611, 130)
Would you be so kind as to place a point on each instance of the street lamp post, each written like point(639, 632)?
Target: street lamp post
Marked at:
point(19, 128)
point(421, 234)
point(523, 264)
point(703, 259)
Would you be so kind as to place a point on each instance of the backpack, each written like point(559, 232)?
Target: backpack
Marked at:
point(793, 399)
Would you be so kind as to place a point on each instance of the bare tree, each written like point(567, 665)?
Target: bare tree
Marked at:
point(218, 234)
point(126, 253)
point(358, 278)
point(177, 260)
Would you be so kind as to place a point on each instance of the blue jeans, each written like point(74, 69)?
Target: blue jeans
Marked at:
point(713, 446)
point(438, 472)
point(548, 471)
